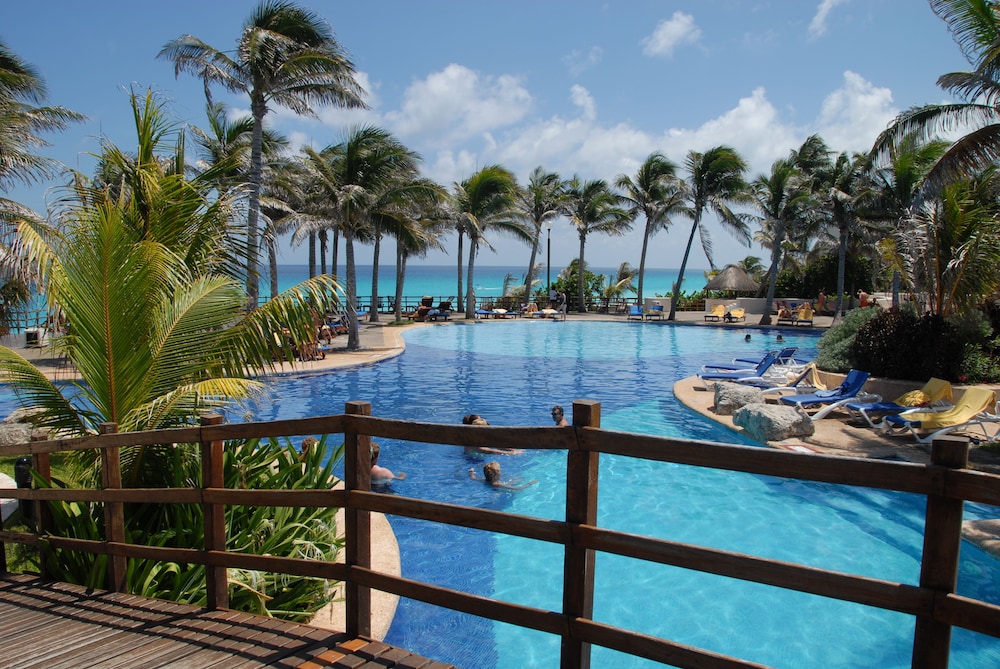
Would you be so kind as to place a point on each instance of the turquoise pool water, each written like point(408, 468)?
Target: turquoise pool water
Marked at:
point(511, 373)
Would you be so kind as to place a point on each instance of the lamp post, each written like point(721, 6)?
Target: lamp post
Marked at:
point(548, 258)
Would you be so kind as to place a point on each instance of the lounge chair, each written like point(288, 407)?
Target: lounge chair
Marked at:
point(934, 392)
point(807, 379)
point(717, 312)
point(804, 316)
point(831, 400)
point(736, 375)
point(485, 313)
point(786, 356)
point(971, 409)
point(635, 313)
point(655, 313)
point(735, 314)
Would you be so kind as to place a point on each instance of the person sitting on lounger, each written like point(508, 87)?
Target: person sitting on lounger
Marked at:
point(530, 309)
point(491, 474)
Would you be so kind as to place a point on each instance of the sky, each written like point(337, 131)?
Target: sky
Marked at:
point(582, 88)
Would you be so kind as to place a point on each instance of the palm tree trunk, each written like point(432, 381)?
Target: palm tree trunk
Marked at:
point(470, 300)
point(400, 275)
point(684, 261)
point(373, 310)
point(642, 261)
point(322, 251)
point(272, 265)
point(460, 294)
point(312, 254)
point(353, 341)
point(259, 109)
point(529, 277)
point(335, 252)
point(772, 277)
point(579, 274)
point(841, 273)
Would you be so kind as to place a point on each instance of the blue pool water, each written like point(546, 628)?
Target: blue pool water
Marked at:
point(511, 373)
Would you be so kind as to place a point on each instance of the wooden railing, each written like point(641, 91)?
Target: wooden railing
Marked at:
point(946, 484)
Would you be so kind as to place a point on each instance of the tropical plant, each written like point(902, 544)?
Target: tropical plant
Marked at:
point(715, 179)
point(286, 56)
point(308, 533)
point(485, 201)
point(657, 194)
point(592, 207)
point(537, 204)
point(781, 200)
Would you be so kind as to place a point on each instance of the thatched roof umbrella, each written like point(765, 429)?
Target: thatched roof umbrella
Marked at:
point(732, 279)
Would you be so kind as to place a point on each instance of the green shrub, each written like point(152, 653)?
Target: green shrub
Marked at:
point(898, 344)
point(835, 344)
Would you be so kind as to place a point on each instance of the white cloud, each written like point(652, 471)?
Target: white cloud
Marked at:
point(679, 29)
point(853, 115)
point(584, 101)
point(579, 61)
point(458, 103)
point(817, 27)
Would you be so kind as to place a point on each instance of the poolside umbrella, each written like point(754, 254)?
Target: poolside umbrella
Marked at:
point(733, 279)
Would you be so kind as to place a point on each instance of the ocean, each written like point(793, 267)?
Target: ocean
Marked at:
point(441, 281)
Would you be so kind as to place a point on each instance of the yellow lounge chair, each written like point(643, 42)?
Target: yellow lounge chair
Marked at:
point(735, 314)
point(805, 316)
point(971, 409)
point(935, 393)
point(717, 312)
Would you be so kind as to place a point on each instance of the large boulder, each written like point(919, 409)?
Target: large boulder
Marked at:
point(15, 433)
point(732, 396)
point(772, 422)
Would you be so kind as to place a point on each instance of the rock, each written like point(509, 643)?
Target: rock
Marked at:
point(732, 396)
point(15, 433)
point(770, 422)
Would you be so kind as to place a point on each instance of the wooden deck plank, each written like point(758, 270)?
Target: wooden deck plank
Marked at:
point(61, 626)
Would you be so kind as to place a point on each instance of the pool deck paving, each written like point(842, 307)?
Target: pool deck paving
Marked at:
point(834, 435)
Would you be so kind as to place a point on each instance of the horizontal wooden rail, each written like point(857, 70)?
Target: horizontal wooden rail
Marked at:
point(936, 607)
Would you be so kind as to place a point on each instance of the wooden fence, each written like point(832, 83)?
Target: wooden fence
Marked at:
point(945, 483)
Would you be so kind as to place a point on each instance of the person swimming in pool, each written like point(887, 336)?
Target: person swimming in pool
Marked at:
point(559, 416)
point(476, 419)
point(380, 473)
point(491, 474)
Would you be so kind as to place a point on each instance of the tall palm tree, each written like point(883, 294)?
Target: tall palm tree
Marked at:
point(592, 207)
point(483, 202)
point(715, 179)
point(657, 194)
point(844, 191)
point(22, 121)
point(286, 55)
point(363, 178)
point(781, 200)
point(537, 204)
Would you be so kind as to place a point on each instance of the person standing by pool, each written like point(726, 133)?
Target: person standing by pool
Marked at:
point(559, 416)
point(380, 473)
point(491, 474)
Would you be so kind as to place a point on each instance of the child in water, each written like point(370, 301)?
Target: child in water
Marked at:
point(491, 472)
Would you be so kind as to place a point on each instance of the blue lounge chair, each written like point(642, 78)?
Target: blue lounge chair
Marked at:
point(655, 312)
point(736, 375)
point(635, 313)
point(786, 356)
point(830, 400)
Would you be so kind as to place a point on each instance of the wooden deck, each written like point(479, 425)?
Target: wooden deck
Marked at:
point(61, 626)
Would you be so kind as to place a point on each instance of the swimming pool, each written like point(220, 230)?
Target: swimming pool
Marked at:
point(511, 373)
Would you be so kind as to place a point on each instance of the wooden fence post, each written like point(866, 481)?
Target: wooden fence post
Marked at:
point(581, 509)
point(114, 512)
point(43, 514)
point(358, 530)
point(939, 562)
point(213, 476)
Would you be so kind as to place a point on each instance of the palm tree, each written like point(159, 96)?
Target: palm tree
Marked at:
point(21, 122)
point(715, 178)
point(159, 328)
point(781, 201)
point(843, 193)
point(364, 178)
point(592, 207)
point(537, 204)
point(286, 55)
point(483, 202)
point(656, 193)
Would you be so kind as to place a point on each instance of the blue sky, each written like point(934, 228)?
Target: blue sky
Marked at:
point(586, 88)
